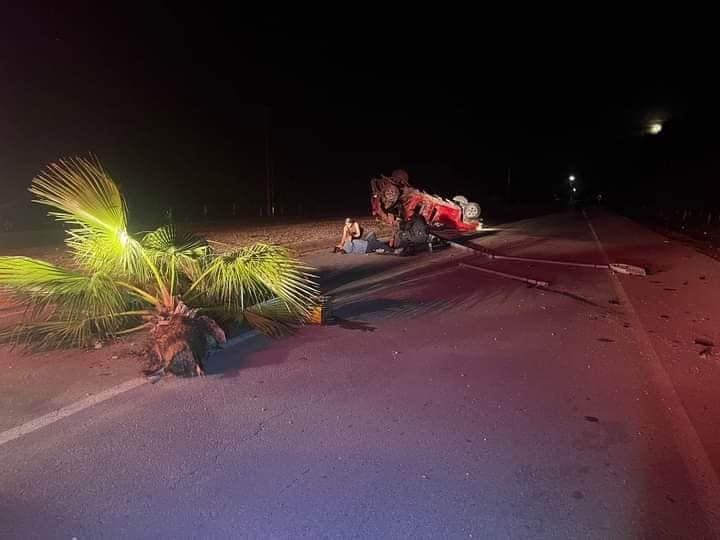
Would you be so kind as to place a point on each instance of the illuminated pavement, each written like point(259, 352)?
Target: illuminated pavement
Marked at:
point(445, 404)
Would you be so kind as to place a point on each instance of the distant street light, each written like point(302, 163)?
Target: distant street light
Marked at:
point(654, 128)
point(572, 178)
point(574, 189)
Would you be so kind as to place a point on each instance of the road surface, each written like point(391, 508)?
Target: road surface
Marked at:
point(444, 403)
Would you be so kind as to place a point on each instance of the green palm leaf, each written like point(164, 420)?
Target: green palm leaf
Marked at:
point(252, 276)
point(122, 281)
point(175, 253)
point(271, 317)
point(72, 307)
point(85, 197)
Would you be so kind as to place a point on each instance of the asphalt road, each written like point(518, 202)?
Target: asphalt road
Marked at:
point(444, 403)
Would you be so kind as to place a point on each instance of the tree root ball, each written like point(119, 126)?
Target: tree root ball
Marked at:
point(184, 342)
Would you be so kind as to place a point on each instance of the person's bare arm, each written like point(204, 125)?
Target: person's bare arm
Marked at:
point(355, 230)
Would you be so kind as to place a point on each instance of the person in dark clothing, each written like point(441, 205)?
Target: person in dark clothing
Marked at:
point(412, 231)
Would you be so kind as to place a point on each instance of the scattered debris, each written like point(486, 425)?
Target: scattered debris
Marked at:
point(530, 281)
point(702, 277)
point(592, 419)
point(323, 312)
point(352, 325)
point(706, 352)
point(704, 342)
point(666, 317)
point(606, 340)
point(669, 289)
point(614, 301)
point(628, 269)
point(548, 261)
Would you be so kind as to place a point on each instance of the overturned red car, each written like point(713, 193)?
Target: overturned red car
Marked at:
point(393, 196)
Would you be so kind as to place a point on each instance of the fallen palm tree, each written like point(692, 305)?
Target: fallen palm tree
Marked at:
point(170, 282)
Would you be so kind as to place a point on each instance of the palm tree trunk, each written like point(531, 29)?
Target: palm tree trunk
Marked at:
point(185, 340)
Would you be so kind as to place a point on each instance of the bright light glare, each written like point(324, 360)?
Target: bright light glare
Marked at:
point(123, 235)
point(574, 190)
point(654, 128)
point(572, 178)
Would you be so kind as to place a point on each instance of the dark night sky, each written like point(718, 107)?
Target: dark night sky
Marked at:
point(174, 101)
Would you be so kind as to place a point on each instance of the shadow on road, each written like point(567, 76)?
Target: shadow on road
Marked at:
point(347, 324)
point(229, 362)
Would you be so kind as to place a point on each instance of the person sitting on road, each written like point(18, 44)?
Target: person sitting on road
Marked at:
point(351, 231)
point(368, 245)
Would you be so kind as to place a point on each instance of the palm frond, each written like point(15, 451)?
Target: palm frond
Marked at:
point(72, 307)
point(85, 197)
point(175, 253)
point(83, 194)
point(272, 318)
point(43, 335)
point(256, 274)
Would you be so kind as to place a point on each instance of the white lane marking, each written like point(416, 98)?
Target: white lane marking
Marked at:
point(52, 417)
point(64, 412)
point(702, 474)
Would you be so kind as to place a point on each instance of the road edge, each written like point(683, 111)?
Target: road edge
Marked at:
point(703, 475)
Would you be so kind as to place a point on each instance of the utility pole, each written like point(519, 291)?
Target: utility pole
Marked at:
point(509, 177)
point(269, 203)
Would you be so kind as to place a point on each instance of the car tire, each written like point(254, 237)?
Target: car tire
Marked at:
point(471, 211)
point(460, 199)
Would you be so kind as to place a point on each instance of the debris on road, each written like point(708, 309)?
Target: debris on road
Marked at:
point(704, 342)
point(547, 261)
point(530, 281)
point(592, 419)
point(322, 312)
point(706, 353)
point(628, 269)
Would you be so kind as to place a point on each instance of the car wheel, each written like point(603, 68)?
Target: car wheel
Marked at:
point(389, 195)
point(460, 199)
point(401, 177)
point(471, 211)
